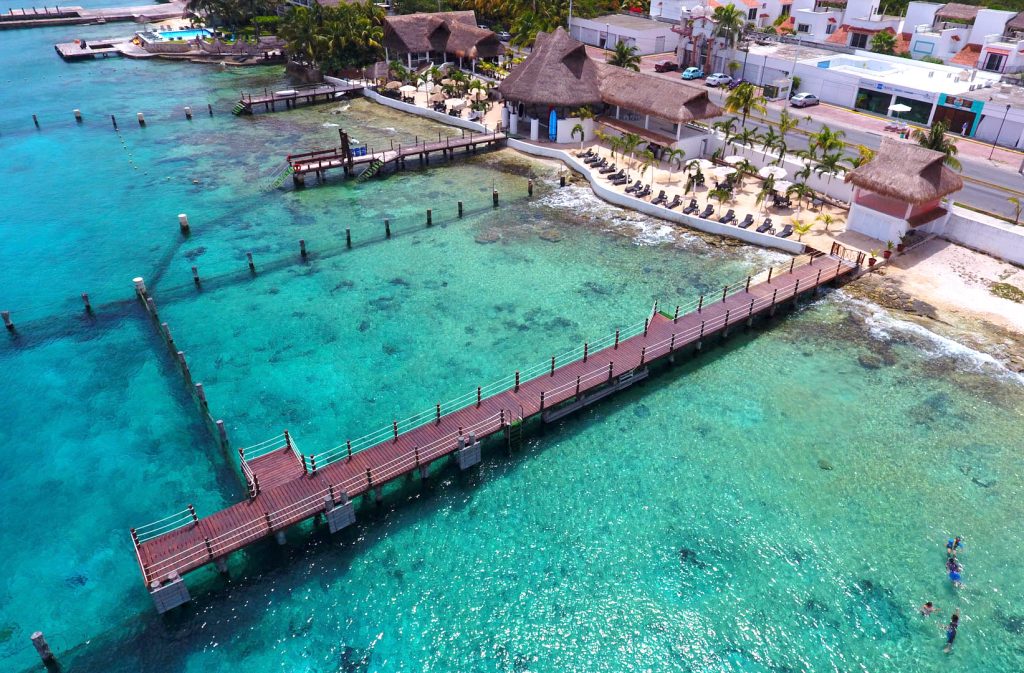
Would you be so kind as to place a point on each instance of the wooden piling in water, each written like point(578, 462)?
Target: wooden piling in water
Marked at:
point(430, 217)
point(7, 320)
point(302, 248)
point(387, 230)
point(348, 238)
point(252, 265)
point(85, 300)
point(460, 208)
point(35, 120)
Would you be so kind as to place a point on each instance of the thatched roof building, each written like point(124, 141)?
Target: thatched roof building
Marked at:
point(557, 72)
point(560, 73)
point(1016, 24)
point(906, 172)
point(453, 33)
point(960, 13)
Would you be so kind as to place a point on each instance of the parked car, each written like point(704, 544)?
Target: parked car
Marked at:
point(665, 66)
point(504, 36)
point(693, 73)
point(718, 79)
point(804, 100)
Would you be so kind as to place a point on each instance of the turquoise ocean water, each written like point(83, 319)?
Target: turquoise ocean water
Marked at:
point(688, 524)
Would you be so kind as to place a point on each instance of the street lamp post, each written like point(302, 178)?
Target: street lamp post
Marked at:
point(999, 131)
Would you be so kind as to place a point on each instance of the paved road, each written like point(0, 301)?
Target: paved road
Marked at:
point(986, 186)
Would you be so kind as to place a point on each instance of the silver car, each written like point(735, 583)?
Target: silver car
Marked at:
point(718, 79)
point(804, 100)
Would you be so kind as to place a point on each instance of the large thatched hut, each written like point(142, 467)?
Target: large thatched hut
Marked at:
point(437, 37)
point(559, 76)
point(901, 189)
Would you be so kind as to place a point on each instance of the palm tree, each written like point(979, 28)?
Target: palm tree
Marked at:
point(801, 227)
point(829, 165)
point(578, 128)
point(801, 190)
point(769, 140)
point(1017, 207)
point(744, 98)
point(864, 155)
point(827, 140)
point(746, 138)
point(766, 190)
point(625, 56)
point(650, 161)
point(630, 142)
point(935, 139)
point(674, 157)
point(720, 193)
point(827, 219)
point(726, 126)
point(787, 123)
point(728, 23)
point(744, 169)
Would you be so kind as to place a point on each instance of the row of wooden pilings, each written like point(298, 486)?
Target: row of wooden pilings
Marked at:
point(140, 117)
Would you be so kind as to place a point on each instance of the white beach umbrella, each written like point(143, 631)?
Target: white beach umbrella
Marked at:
point(408, 88)
point(722, 172)
point(455, 103)
point(782, 185)
point(734, 159)
point(900, 108)
point(777, 172)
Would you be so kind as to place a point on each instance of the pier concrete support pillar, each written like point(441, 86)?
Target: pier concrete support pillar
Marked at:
point(280, 537)
point(468, 454)
point(169, 594)
point(42, 647)
point(222, 565)
point(339, 515)
point(378, 494)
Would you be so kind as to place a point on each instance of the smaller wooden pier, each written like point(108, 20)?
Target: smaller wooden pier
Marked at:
point(291, 98)
point(347, 158)
point(83, 49)
point(287, 486)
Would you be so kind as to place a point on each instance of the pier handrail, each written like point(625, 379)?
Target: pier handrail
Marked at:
point(225, 542)
point(351, 447)
point(165, 525)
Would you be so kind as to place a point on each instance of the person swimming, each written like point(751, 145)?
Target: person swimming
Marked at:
point(955, 578)
point(953, 545)
point(954, 624)
point(953, 565)
point(927, 609)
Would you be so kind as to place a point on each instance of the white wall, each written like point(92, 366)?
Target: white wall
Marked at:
point(627, 201)
point(989, 22)
point(981, 232)
point(876, 225)
point(919, 14)
point(645, 40)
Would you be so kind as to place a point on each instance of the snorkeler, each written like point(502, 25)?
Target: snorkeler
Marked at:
point(927, 609)
point(953, 545)
point(954, 623)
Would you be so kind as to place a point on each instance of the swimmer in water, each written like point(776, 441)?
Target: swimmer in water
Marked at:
point(953, 545)
point(953, 565)
point(927, 609)
point(955, 578)
point(954, 624)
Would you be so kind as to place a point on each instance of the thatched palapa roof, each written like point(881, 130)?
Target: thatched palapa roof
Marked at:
point(557, 72)
point(450, 32)
point(560, 73)
point(955, 11)
point(907, 172)
point(1016, 24)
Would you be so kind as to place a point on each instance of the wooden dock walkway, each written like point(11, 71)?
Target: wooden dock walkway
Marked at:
point(71, 15)
point(319, 162)
point(287, 486)
point(302, 95)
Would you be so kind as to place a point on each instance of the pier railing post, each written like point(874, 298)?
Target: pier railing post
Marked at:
point(675, 318)
point(748, 284)
point(437, 414)
point(394, 428)
point(616, 340)
point(586, 350)
point(770, 269)
point(517, 382)
point(700, 304)
point(647, 323)
point(552, 365)
point(478, 391)
point(611, 369)
point(725, 291)
point(348, 445)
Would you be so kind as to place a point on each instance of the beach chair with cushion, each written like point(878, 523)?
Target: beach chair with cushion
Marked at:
point(692, 208)
point(706, 213)
point(586, 155)
point(643, 193)
point(661, 198)
point(621, 181)
point(674, 203)
point(635, 187)
point(728, 217)
point(608, 169)
point(747, 221)
point(590, 161)
point(619, 174)
point(765, 226)
point(786, 232)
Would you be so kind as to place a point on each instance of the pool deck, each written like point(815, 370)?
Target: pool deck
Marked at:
point(65, 16)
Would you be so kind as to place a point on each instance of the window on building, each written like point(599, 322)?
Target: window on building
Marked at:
point(752, 14)
point(994, 62)
point(785, 10)
point(859, 40)
point(830, 28)
point(803, 28)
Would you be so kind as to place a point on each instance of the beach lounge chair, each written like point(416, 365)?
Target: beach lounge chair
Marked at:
point(643, 193)
point(706, 213)
point(608, 169)
point(660, 198)
point(634, 187)
point(765, 226)
point(728, 217)
point(621, 173)
point(786, 232)
point(692, 208)
point(586, 155)
point(674, 202)
point(621, 181)
point(590, 161)
point(747, 221)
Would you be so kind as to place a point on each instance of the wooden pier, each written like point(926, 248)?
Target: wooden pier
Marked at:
point(83, 49)
point(287, 486)
point(291, 98)
point(345, 157)
point(71, 15)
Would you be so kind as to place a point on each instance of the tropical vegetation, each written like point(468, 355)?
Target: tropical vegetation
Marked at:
point(332, 38)
point(625, 56)
point(935, 138)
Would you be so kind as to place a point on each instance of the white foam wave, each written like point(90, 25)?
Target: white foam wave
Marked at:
point(329, 125)
point(884, 326)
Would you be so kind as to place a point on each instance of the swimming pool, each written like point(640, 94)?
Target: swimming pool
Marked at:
point(168, 35)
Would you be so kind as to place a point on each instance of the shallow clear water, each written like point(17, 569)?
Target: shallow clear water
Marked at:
point(687, 524)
